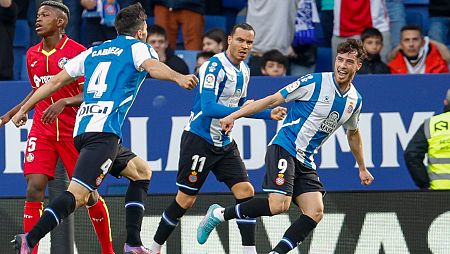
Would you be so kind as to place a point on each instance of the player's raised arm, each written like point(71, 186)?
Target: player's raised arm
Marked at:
point(161, 71)
point(270, 101)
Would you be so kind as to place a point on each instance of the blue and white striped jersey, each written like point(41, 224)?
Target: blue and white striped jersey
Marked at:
point(112, 80)
point(222, 89)
point(319, 109)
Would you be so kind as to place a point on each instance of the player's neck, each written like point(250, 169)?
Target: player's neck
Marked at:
point(232, 59)
point(50, 42)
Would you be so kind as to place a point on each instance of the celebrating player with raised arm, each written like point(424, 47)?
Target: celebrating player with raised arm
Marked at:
point(322, 103)
point(204, 148)
point(113, 71)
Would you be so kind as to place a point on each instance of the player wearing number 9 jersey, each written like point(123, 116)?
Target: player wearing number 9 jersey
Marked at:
point(322, 102)
point(114, 72)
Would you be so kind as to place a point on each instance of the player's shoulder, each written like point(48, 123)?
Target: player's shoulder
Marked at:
point(311, 78)
point(75, 45)
point(34, 49)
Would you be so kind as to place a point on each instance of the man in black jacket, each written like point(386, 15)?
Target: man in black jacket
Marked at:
point(373, 43)
point(432, 138)
point(158, 39)
point(8, 15)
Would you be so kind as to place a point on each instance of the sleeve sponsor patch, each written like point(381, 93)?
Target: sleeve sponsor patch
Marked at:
point(209, 81)
point(292, 86)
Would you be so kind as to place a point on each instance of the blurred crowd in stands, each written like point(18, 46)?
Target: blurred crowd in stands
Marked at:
point(293, 37)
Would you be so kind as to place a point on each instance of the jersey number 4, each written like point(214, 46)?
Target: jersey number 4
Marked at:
point(97, 83)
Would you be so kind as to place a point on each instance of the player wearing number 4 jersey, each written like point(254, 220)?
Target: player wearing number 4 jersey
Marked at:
point(204, 148)
point(114, 71)
point(322, 103)
point(50, 136)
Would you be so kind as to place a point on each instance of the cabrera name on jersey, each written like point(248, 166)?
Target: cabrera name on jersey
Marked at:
point(113, 77)
point(222, 89)
point(319, 109)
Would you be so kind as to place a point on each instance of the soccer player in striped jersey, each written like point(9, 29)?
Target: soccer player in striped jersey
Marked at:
point(113, 73)
point(204, 147)
point(322, 103)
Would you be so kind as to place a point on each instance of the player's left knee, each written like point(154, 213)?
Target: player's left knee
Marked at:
point(243, 190)
point(316, 213)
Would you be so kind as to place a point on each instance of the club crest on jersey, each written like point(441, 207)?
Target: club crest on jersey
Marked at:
point(30, 157)
point(350, 108)
point(62, 62)
point(330, 124)
point(292, 86)
point(209, 81)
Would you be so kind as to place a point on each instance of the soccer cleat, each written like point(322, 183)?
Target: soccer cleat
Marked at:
point(208, 223)
point(20, 244)
point(127, 249)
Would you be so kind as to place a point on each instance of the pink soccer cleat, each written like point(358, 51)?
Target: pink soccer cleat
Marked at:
point(21, 245)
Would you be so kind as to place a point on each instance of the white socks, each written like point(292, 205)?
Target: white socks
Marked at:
point(155, 247)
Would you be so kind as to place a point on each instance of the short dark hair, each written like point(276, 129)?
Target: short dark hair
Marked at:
point(352, 45)
point(130, 19)
point(244, 26)
point(156, 29)
point(217, 35)
point(275, 56)
point(371, 32)
point(411, 27)
point(58, 5)
point(205, 54)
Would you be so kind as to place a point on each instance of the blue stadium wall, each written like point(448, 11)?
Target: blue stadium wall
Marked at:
point(394, 106)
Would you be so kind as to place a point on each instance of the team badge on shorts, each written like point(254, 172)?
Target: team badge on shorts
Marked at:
point(99, 179)
point(30, 157)
point(62, 62)
point(280, 179)
point(193, 177)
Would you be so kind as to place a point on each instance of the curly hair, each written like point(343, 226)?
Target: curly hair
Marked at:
point(352, 46)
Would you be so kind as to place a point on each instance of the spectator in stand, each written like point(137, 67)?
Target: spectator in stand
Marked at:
point(373, 43)
point(352, 17)
point(274, 64)
point(201, 58)
point(438, 29)
point(99, 16)
point(187, 13)
point(417, 55)
point(8, 15)
point(276, 35)
point(156, 36)
point(215, 40)
point(397, 19)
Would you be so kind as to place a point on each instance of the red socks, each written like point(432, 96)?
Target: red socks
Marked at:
point(32, 211)
point(100, 220)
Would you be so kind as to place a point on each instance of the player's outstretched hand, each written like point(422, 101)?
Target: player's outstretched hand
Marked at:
point(278, 113)
point(52, 112)
point(4, 119)
point(20, 118)
point(188, 81)
point(227, 124)
point(366, 177)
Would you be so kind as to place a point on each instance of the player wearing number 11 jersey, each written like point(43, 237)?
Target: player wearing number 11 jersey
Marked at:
point(114, 72)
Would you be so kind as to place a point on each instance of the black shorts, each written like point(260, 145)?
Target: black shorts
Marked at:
point(198, 157)
point(100, 154)
point(287, 175)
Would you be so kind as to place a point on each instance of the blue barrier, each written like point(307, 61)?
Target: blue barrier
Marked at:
point(394, 106)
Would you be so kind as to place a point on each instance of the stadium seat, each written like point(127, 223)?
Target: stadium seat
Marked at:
point(190, 57)
point(23, 69)
point(323, 60)
point(240, 19)
point(235, 4)
point(212, 21)
point(150, 20)
point(22, 34)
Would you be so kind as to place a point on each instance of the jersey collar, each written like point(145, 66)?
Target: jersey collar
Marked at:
point(62, 43)
point(338, 90)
